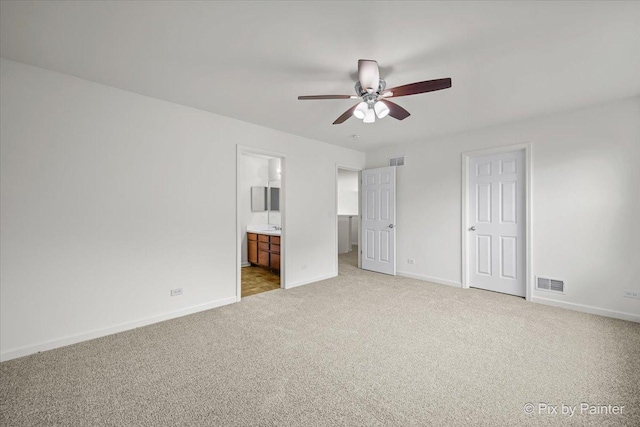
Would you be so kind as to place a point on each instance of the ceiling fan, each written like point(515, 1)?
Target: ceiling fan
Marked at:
point(374, 95)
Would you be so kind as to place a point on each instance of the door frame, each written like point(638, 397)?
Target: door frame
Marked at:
point(240, 151)
point(359, 170)
point(466, 156)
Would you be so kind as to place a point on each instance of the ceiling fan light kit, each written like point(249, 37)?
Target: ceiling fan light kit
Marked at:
point(361, 110)
point(370, 117)
point(371, 90)
point(381, 109)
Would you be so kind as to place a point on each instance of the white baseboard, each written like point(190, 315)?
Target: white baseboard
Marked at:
point(587, 309)
point(245, 264)
point(540, 300)
point(62, 342)
point(430, 279)
point(312, 280)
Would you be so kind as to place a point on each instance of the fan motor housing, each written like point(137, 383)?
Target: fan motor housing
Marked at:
point(365, 95)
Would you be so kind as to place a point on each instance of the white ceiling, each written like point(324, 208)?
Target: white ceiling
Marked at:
point(250, 60)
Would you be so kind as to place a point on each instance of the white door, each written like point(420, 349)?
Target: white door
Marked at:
point(379, 219)
point(496, 223)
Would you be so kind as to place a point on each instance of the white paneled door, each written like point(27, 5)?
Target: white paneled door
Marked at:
point(379, 220)
point(496, 223)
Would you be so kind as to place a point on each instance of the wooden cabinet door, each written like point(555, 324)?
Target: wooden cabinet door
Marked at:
point(252, 249)
point(275, 261)
point(263, 258)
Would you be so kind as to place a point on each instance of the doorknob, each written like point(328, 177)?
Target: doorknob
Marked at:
point(473, 228)
point(390, 225)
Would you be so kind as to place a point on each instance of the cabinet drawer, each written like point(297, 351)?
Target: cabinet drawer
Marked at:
point(263, 238)
point(275, 248)
point(263, 246)
point(275, 239)
point(252, 236)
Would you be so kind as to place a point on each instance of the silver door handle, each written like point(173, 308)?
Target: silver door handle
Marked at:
point(473, 228)
point(390, 225)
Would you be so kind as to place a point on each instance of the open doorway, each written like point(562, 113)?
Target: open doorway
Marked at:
point(347, 218)
point(260, 222)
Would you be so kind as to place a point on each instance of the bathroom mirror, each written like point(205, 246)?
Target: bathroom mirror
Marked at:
point(258, 199)
point(274, 199)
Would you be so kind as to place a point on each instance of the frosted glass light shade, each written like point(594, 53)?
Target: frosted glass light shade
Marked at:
point(361, 110)
point(370, 117)
point(381, 109)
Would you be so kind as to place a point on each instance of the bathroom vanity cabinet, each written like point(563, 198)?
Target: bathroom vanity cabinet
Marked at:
point(264, 250)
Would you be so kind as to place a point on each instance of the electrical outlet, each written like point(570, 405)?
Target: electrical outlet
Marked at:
point(411, 261)
point(176, 292)
point(303, 267)
point(632, 294)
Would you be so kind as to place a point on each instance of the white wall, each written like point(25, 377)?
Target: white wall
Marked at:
point(354, 230)
point(254, 173)
point(347, 192)
point(346, 241)
point(344, 245)
point(586, 203)
point(275, 171)
point(275, 181)
point(109, 199)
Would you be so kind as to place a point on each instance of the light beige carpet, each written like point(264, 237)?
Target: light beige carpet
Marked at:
point(361, 349)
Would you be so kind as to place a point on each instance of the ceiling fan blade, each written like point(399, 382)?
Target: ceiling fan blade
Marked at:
point(327, 97)
point(345, 115)
point(396, 111)
point(419, 87)
point(368, 74)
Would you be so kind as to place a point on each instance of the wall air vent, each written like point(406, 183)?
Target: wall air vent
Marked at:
point(552, 285)
point(396, 161)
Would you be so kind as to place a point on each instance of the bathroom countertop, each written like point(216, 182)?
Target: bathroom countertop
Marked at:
point(264, 230)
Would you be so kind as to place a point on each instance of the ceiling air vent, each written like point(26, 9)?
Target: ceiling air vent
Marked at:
point(396, 161)
point(552, 285)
